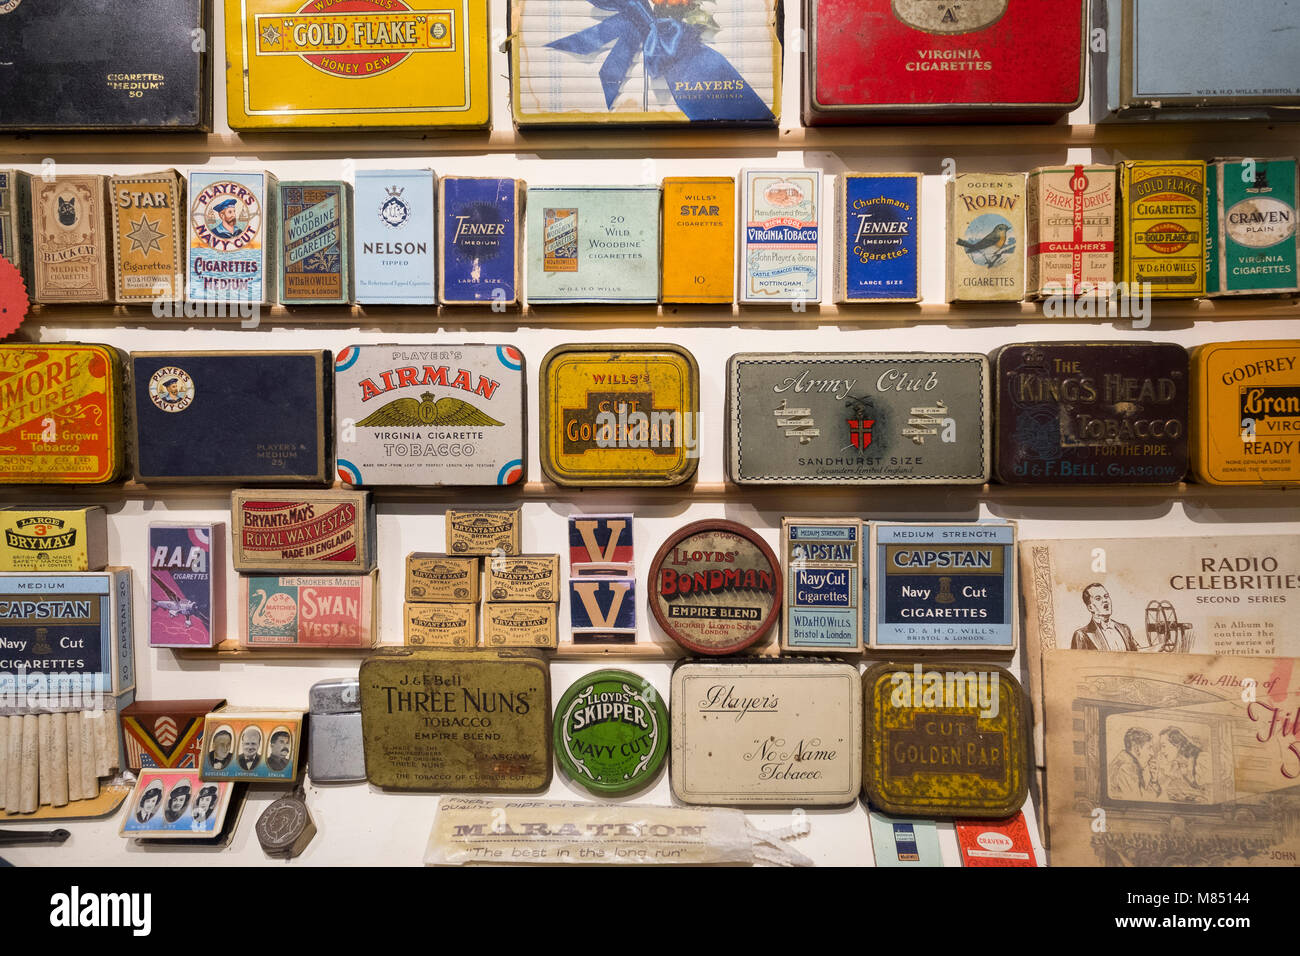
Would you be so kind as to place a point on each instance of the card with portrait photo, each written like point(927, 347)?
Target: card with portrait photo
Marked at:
point(175, 804)
point(251, 745)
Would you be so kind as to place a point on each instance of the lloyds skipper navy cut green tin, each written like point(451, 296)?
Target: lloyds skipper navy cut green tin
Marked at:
point(611, 732)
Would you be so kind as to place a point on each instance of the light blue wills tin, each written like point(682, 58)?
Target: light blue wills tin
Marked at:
point(944, 586)
point(394, 226)
point(822, 564)
point(480, 240)
point(593, 244)
point(233, 234)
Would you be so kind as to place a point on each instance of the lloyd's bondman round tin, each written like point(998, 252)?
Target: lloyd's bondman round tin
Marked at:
point(611, 732)
point(715, 587)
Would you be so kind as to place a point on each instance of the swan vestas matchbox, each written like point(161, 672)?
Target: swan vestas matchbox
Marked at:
point(314, 610)
point(393, 239)
point(231, 416)
point(357, 64)
point(430, 415)
point(873, 61)
point(858, 418)
point(647, 62)
point(320, 532)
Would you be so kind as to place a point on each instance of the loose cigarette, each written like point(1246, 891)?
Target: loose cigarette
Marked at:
point(14, 778)
point(59, 762)
point(31, 751)
point(105, 744)
point(89, 782)
point(74, 756)
point(44, 755)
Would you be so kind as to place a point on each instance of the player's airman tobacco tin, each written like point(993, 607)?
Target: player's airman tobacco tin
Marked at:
point(766, 732)
point(522, 577)
point(943, 586)
point(245, 416)
point(53, 539)
point(442, 578)
point(699, 250)
point(1164, 228)
point(520, 624)
point(484, 532)
point(440, 625)
point(986, 237)
point(619, 414)
point(823, 561)
point(60, 414)
point(430, 414)
point(315, 243)
point(944, 740)
point(1091, 413)
point(449, 721)
point(611, 732)
point(858, 418)
point(148, 236)
point(1246, 412)
point(715, 587)
point(316, 532)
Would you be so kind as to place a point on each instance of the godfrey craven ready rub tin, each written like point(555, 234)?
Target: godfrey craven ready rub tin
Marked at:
point(715, 587)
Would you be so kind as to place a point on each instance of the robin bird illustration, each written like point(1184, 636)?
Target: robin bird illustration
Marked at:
point(991, 246)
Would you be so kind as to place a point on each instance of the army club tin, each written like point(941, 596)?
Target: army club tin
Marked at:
point(945, 741)
point(79, 388)
point(766, 733)
point(858, 418)
point(449, 721)
point(430, 415)
point(619, 414)
point(611, 732)
point(1091, 413)
point(715, 587)
point(1246, 412)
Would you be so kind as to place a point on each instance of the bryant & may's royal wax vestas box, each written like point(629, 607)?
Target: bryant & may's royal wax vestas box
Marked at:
point(231, 416)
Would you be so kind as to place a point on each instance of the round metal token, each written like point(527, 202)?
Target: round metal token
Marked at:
point(611, 732)
point(715, 587)
point(286, 827)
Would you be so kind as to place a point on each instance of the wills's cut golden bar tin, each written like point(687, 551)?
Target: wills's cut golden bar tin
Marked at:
point(1246, 413)
point(619, 414)
point(1164, 226)
point(698, 236)
point(380, 64)
point(449, 721)
point(149, 247)
point(945, 740)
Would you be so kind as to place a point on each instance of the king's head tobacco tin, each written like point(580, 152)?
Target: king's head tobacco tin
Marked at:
point(715, 587)
point(619, 414)
point(450, 721)
point(945, 740)
point(611, 732)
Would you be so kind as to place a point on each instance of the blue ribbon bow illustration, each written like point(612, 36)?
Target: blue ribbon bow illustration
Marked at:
point(672, 50)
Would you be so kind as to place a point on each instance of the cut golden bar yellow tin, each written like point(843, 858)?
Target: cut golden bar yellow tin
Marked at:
point(619, 414)
point(449, 721)
point(698, 236)
point(1164, 226)
point(356, 63)
point(1246, 413)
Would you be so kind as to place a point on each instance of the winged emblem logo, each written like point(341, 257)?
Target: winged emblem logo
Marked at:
point(427, 411)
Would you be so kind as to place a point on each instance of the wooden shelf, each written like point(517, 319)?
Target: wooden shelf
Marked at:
point(230, 651)
point(196, 148)
point(431, 319)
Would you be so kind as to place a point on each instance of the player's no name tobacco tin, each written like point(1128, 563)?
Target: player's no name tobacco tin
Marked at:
point(715, 587)
point(611, 732)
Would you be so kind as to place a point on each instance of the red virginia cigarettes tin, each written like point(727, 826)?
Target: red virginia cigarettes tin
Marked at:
point(918, 61)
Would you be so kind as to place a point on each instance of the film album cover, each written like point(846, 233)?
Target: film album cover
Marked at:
point(1221, 595)
point(1172, 760)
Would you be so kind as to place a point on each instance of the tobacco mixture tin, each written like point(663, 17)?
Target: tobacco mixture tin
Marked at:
point(945, 740)
point(611, 732)
point(858, 418)
point(715, 587)
point(450, 721)
point(1091, 413)
point(766, 732)
point(619, 414)
point(1246, 412)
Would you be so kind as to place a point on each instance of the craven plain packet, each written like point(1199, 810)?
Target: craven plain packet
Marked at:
point(495, 831)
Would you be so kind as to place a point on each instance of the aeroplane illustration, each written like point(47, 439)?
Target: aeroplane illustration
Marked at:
point(178, 606)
